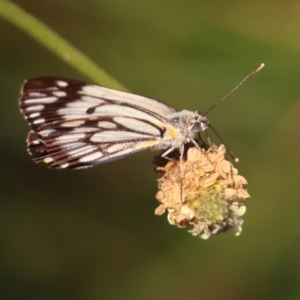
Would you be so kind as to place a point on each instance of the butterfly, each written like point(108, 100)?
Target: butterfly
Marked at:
point(79, 125)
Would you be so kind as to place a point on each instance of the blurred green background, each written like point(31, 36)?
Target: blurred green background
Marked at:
point(92, 234)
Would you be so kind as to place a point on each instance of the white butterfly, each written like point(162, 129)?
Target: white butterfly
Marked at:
point(78, 125)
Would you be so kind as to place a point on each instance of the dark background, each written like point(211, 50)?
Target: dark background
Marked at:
point(92, 234)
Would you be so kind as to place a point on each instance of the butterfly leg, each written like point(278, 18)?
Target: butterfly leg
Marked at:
point(208, 138)
point(203, 144)
point(181, 169)
point(196, 144)
point(181, 150)
point(164, 155)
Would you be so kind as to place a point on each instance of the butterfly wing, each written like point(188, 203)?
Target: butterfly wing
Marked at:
point(77, 125)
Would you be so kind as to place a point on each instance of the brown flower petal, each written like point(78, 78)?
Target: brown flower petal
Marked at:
point(209, 198)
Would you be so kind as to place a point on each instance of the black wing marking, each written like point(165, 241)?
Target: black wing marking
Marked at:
point(75, 125)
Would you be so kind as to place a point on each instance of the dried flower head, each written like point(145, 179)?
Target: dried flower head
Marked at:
point(209, 196)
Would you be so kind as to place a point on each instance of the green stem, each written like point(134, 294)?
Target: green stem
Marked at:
point(55, 43)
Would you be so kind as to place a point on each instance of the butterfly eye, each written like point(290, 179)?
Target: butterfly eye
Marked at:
point(175, 120)
point(196, 127)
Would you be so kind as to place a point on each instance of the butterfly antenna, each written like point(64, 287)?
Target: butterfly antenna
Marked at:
point(232, 155)
point(247, 77)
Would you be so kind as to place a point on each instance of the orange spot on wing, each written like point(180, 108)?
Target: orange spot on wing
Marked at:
point(172, 132)
point(148, 144)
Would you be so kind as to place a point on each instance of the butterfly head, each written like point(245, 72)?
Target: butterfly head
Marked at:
point(198, 123)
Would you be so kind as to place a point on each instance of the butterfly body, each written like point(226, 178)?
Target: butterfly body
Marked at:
point(78, 125)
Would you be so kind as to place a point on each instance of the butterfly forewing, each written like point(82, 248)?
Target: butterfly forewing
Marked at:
point(79, 125)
